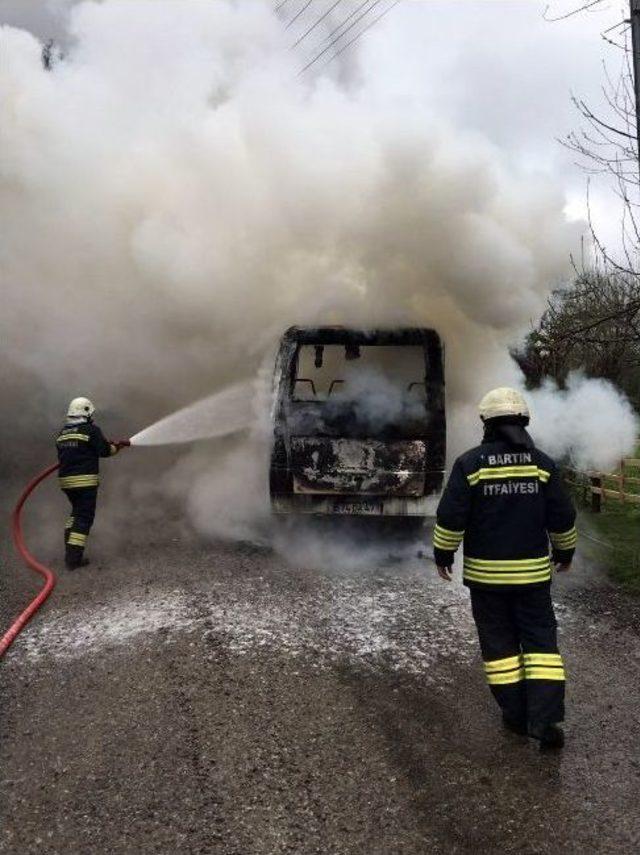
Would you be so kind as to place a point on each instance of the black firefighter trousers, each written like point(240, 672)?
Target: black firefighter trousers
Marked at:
point(78, 525)
point(518, 640)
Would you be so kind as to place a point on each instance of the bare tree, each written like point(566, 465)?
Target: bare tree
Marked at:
point(592, 326)
point(607, 143)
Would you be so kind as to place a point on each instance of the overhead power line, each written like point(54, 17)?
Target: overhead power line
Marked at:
point(347, 19)
point(319, 21)
point(363, 31)
point(295, 17)
point(343, 34)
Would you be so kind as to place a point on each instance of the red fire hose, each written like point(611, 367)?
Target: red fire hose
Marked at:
point(50, 580)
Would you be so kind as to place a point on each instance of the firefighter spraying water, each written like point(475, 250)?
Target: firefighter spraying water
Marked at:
point(80, 446)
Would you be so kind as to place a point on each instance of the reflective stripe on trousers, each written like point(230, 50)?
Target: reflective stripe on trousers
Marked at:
point(518, 638)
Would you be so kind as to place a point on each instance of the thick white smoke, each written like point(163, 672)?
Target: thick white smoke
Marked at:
point(173, 196)
point(591, 422)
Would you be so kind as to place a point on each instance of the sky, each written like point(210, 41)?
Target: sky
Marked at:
point(497, 67)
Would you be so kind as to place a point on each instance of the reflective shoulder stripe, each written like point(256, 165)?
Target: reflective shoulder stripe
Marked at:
point(498, 472)
point(82, 437)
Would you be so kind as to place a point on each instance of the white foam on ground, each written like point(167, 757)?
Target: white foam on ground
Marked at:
point(404, 624)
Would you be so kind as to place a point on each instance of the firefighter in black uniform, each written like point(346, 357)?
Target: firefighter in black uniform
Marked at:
point(505, 500)
point(80, 446)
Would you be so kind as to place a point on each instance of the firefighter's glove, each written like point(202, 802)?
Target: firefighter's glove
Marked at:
point(122, 443)
point(445, 573)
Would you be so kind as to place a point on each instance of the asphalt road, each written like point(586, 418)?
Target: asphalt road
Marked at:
point(193, 697)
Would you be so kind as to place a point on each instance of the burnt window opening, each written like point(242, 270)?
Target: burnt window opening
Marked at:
point(337, 371)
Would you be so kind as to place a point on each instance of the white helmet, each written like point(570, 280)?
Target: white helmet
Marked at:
point(503, 402)
point(81, 407)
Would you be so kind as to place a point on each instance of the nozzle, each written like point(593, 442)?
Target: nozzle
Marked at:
point(122, 443)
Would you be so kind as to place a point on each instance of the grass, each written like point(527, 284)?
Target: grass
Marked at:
point(612, 537)
point(617, 526)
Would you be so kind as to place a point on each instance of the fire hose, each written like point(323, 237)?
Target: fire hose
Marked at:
point(18, 539)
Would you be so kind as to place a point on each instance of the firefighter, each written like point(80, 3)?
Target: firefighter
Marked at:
point(504, 501)
point(80, 446)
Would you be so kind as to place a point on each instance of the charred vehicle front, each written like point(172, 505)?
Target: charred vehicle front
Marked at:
point(359, 421)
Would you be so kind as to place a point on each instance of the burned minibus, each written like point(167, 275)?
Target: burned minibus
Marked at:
point(358, 422)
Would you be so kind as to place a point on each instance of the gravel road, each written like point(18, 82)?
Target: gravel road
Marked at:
point(192, 697)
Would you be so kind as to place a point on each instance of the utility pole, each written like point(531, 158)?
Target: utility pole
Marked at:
point(634, 9)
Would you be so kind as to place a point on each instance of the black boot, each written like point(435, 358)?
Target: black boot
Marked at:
point(75, 564)
point(548, 735)
point(74, 557)
point(515, 725)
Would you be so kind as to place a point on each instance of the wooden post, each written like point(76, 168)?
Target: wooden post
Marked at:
point(596, 498)
point(622, 480)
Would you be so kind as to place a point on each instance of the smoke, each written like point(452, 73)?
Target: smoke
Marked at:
point(591, 422)
point(375, 401)
point(173, 196)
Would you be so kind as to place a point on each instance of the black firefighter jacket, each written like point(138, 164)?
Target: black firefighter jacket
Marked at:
point(80, 447)
point(505, 504)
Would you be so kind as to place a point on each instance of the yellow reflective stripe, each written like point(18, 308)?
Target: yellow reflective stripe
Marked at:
point(445, 544)
point(500, 564)
point(507, 578)
point(77, 539)
point(498, 472)
point(542, 659)
point(81, 436)
point(566, 539)
point(69, 522)
point(566, 533)
point(505, 678)
point(89, 477)
point(503, 664)
point(448, 533)
point(443, 538)
point(545, 674)
point(79, 481)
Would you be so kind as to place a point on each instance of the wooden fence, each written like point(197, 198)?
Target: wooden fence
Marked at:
point(593, 484)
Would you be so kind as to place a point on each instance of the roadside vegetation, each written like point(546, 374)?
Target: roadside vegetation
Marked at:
point(611, 537)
